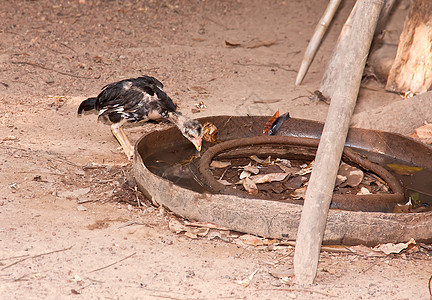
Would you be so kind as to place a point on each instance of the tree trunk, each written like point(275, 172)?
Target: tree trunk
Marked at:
point(412, 68)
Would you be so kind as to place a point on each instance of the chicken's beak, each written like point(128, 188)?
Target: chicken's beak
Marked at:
point(197, 143)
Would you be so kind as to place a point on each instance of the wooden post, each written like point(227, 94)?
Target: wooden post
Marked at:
point(412, 68)
point(342, 82)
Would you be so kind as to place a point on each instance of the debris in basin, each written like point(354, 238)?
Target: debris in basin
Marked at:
point(404, 169)
point(220, 164)
point(250, 186)
point(364, 191)
point(353, 175)
point(305, 169)
point(299, 193)
point(274, 123)
point(266, 161)
point(210, 132)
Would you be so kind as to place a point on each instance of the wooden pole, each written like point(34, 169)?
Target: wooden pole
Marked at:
point(342, 82)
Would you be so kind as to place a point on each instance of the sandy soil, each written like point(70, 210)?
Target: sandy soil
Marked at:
point(55, 54)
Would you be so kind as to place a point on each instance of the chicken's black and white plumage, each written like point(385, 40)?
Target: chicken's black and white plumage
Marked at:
point(135, 100)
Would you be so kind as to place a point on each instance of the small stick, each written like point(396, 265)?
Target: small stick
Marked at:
point(13, 257)
point(35, 256)
point(299, 290)
point(49, 69)
point(107, 266)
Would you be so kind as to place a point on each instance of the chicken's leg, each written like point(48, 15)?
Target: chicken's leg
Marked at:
point(121, 137)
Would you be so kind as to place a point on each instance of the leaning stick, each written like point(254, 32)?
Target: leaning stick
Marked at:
point(342, 77)
point(320, 30)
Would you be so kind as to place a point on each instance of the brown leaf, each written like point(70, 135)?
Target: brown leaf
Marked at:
point(354, 176)
point(266, 161)
point(250, 186)
point(299, 193)
point(232, 44)
point(258, 43)
point(220, 164)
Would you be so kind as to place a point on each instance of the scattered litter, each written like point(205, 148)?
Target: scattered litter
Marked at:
point(394, 248)
point(364, 191)
point(299, 193)
point(224, 182)
point(75, 193)
point(210, 132)
point(353, 175)
point(305, 169)
point(81, 207)
point(252, 44)
point(250, 186)
point(220, 164)
point(265, 178)
point(246, 282)
point(266, 161)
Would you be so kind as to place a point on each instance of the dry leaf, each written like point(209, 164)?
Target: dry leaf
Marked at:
point(424, 131)
point(283, 162)
point(258, 43)
point(403, 208)
point(220, 164)
point(267, 161)
point(210, 132)
point(265, 178)
point(176, 226)
point(250, 186)
point(354, 175)
point(244, 174)
point(251, 240)
point(246, 282)
point(251, 169)
point(282, 273)
point(232, 44)
point(340, 179)
point(224, 182)
point(299, 193)
point(306, 170)
point(364, 191)
point(365, 251)
point(394, 248)
point(194, 233)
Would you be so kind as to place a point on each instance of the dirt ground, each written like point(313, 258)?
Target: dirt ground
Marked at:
point(68, 228)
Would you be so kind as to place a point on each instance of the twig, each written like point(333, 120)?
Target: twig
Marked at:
point(13, 257)
point(217, 23)
point(50, 69)
point(107, 266)
point(35, 256)
point(298, 290)
point(205, 225)
point(130, 223)
point(272, 65)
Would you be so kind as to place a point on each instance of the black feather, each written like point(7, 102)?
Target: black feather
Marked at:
point(134, 99)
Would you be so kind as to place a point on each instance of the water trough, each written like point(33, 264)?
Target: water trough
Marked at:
point(354, 219)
